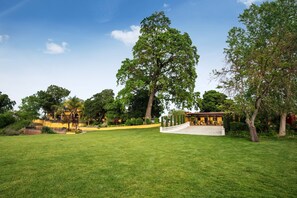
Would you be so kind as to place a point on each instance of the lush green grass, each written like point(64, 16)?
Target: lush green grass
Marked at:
point(146, 163)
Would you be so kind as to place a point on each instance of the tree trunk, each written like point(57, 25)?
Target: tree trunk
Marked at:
point(251, 121)
point(252, 129)
point(282, 125)
point(148, 113)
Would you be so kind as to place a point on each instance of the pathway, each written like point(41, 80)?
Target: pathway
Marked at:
point(200, 130)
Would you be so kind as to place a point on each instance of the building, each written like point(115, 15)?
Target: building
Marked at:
point(205, 118)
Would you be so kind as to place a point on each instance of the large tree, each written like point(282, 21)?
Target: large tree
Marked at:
point(29, 109)
point(163, 63)
point(213, 101)
point(115, 112)
point(255, 56)
point(5, 103)
point(52, 98)
point(96, 107)
point(283, 98)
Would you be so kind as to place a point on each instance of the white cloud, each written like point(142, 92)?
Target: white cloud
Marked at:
point(54, 48)
point(127, 37)
point(249, 2)
point(166, 7)
point(4, 38)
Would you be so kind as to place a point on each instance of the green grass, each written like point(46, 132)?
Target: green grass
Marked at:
point(146, 163)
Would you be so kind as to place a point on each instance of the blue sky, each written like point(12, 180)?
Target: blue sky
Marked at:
point(79, 44)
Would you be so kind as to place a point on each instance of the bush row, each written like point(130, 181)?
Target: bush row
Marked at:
point(140, 121)
point(134, 121)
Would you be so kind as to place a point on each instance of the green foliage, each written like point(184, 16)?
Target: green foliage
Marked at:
point(163, 63)
point(166, 121)
point(294, 125)
point(260, 54)
point(213, 101)
point(29, 108)
point(238, 126)
point(6, 119)
point(9, 132)
point(156, 120)
point(74, 105)
point(137, 104)
point(175, 112)
point(47, 130)
point(133, 121)
point(14, 129)
point(227, 118)
point(52, 98)
point(128, 122)
point(115, 111)
point(96, 107)
point(5, 103)
point(139, 121)
point(148, 121)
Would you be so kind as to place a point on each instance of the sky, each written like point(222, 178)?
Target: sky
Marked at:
point(80, 44)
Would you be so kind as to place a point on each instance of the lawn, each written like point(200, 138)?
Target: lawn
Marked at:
point(146, 163)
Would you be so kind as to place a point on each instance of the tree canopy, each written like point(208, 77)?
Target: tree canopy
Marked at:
point(96, 107)
point(5, 103)
point(29, 109)
point(74, 105)
point(260, 55)
point(163, 63)
point(213, 101)
point(52, 98)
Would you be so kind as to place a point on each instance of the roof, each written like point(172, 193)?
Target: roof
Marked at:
point(205, 113)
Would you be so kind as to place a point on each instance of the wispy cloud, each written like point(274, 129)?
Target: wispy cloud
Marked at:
point(4, 38)
point(54, 48)
point(127, 37)
point(248, 3)
point(166, 7)
point(13, 7)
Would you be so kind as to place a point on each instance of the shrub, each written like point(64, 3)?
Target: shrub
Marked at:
point(148, 121)
point(104, 124)
point(14, 129)
point(6, 119)
point(294, 125)
point(156, 120)
point(139, 121)
point(128, 122)
point(9, 132)
point(78, 131)
point(47, 130)
point(133, 121)
point(238, 126)
point(226, 122)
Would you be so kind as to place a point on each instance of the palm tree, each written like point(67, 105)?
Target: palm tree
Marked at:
point(73, 106)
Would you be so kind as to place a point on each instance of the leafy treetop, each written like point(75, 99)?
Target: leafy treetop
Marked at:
point(163, 63)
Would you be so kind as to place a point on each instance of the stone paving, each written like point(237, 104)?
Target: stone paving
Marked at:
point(201, 130)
